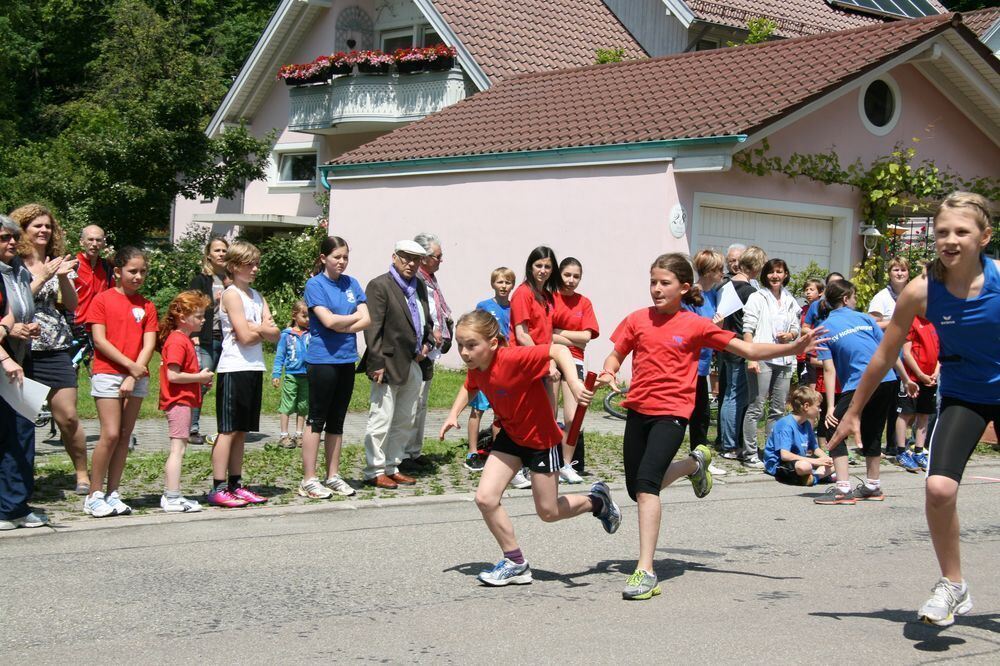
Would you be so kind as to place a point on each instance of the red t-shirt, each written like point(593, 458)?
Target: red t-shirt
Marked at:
point(513, 385)
point(926, 346)
point(524, 308)
point(575, 313)
point(89, 283)
point(178, 349)
point(125, 319)
point(665, 350)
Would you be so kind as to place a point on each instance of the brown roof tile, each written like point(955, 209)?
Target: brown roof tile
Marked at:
point(707, 93)
point(510, 38)
point(981, 20)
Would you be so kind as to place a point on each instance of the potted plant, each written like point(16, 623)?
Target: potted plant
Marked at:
point(343, 63)
point(374, 62)
point(317, 71)
point(440, 57)
point(409, 61)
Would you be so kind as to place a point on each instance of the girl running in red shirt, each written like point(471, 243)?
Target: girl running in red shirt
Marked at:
point(529, 436)
point(665, 342)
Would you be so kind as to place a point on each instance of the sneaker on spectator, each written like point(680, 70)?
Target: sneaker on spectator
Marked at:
point(286, 442)
point(717, 471)
point(225, 498)
point(196, 438)
point(474, 462)
point(641, 585)
point(248, 496)
point(313, 489)
point(521, 480)
point(120, 508)
point(753, 462)
point(701, 480)
point(906, 461)
point(339, 486)
point(730, 455)
point(945, 603)
point(30, 520)
point(568, 475)
point(97, 506)
point(506, 572)
point(864, 493)
point(179, 504)
point(210, 439)
point(835, 495)
point(921, 460)
point(610, 515)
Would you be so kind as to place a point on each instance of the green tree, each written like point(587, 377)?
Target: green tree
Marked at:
point(759, 30)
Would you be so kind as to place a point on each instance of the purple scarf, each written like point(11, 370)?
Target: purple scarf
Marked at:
point(410, 291)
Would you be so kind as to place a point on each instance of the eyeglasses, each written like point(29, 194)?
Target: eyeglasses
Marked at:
point(407, 258)
point(436, 256)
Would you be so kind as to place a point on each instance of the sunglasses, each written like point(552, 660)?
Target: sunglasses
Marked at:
point(6, 238)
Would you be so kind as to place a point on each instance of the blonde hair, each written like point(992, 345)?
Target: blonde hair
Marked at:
point(902, 262)
point(708, 261)
point(482, 323)
point(977, 205)
point(752, 260)
point(503, 271)
point(240, 253)
point(802, 396)
point(207, 268)
point(25, 215)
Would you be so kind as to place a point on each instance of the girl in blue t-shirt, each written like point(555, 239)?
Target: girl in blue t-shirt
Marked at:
point(337, 311)
point(852, 338)
point(960, 295)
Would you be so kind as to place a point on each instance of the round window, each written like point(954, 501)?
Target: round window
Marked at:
point(880, 105)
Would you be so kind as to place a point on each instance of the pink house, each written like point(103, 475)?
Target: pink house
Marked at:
point(617, 163)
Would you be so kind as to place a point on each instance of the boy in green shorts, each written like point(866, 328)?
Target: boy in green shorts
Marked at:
point(291, 356)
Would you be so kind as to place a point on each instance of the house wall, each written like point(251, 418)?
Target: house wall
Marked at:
point(611, 218)
point(657, 31)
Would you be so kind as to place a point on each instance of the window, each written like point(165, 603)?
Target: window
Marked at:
point(706, 45)
point(879, 105)
point(297, 167)
point(293, 166)
point(397, 39)
point(431, 38)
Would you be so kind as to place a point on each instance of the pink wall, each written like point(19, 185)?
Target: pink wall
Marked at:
point(612, 218)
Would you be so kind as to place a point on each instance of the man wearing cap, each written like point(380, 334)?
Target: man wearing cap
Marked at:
point(398, 341)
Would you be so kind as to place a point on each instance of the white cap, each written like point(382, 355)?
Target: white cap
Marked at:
point(410, 247)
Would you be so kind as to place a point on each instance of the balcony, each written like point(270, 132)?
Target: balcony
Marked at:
point(366, 102)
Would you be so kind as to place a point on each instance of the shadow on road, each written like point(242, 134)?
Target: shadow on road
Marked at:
point(925, 637)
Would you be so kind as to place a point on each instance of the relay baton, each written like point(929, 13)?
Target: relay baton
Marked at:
point(581, 411)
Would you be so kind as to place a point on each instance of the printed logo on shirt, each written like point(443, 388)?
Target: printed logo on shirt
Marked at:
point(139, 314)
point(946, 320)
point(502, 393)
point(349, 294)
point(678, 341)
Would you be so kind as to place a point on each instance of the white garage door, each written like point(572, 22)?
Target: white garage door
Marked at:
point(796, 239)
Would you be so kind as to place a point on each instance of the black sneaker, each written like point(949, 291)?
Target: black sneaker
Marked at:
point(474, 462)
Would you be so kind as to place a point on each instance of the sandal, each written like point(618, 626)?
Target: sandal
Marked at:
point(82, 489)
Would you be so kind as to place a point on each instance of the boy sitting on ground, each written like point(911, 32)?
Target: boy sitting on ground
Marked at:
point(792, 454)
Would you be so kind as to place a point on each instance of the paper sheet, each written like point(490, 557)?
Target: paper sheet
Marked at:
point(26, 400)
point(729, 300)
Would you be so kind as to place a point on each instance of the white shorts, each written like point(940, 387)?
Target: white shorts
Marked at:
point(107, 385)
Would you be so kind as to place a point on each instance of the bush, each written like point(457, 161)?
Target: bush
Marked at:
point(172, 267)
point(797, 283)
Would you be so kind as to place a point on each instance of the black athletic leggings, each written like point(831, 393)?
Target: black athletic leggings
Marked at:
point(873, 417)
point(330, 389)
point(959, 426)
point(702, 414)
point(649, 445)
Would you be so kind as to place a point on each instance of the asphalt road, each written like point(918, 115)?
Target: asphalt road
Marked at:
point(754, 573)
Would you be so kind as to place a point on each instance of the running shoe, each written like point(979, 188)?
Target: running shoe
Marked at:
point(506, 572)
point(945, 603)
point(610, 515)
point(835, 495)
point(30, 520)
point(179, 504)
point(521, 480)
point(97, 506)
point(717, 471)
point(474, 462)
point(701, 480)
point(226, 499)
point(641, 585)
point(339, 486)
point(568, 475)
point(753, 462)
point(906, 461)
point(120, 508)
point(313, 489)
point(865, 494)
point(286, 442)
point(730, 455)
point(921, 460)
point(210, 439)
point(248, 496)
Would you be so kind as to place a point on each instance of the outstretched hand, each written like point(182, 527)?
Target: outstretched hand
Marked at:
point(605, 378)
point(449, 423)
point(810, 340)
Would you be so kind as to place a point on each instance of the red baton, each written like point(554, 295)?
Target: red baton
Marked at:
point(581, 411)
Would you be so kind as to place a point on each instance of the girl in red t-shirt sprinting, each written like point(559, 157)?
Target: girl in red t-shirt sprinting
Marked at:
point(123, 326)
point(528, 437)
point(180, 388)
point(665, 342)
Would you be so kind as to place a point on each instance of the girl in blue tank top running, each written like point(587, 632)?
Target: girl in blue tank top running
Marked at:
point(960, 295)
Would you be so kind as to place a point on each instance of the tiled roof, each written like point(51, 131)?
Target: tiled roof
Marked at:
point(707, 93)
point(794, 17)
point(510, 38)
point(981, 20)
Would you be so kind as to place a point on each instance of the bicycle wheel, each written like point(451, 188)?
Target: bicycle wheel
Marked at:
point(612, 404)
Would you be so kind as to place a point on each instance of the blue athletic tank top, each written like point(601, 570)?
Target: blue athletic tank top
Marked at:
point(969, 331)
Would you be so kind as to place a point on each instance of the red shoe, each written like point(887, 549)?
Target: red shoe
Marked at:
point(248, 496)
point(225, 499)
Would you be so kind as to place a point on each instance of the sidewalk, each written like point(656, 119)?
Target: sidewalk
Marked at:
point(152, 433)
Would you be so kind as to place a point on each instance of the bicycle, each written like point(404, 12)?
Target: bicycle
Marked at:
point(613, 400)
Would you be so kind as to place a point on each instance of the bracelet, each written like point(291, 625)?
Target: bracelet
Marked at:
point(605, 371)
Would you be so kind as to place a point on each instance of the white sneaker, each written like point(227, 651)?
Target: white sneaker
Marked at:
point(568, 475)
point(95, 505)
point(339, 486)
point(753, 463)
point(313, 489)
point(717, 471)
point(120, 508)
point(179, 504)
point(521, 480)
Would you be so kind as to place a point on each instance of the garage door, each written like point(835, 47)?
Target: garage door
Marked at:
point(796, 239)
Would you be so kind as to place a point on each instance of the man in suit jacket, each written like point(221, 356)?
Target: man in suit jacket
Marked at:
point(398, 341)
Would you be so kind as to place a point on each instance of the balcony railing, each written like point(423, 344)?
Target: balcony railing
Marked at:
point(368, 101)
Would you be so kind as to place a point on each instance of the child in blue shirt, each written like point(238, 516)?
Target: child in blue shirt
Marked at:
point(792, 454)
point(502, 281)
point(291, 355)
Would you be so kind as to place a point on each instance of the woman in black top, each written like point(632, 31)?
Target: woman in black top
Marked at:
point(211, 281)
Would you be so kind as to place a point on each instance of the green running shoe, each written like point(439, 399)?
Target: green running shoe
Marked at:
point(641, 585)
point(701, 480)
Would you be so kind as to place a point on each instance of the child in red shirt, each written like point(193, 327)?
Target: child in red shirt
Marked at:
point(123, 326)
point(529, 436)
point(665, 342)
point(920, 358)
point(180, 390)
